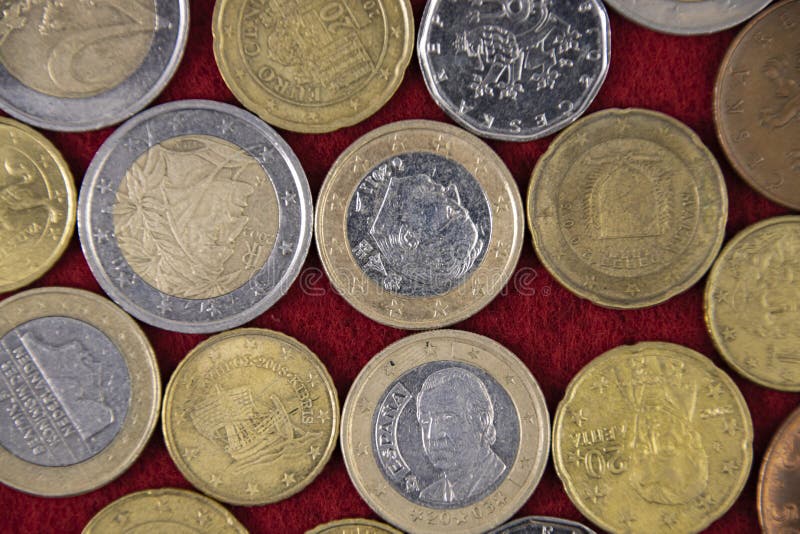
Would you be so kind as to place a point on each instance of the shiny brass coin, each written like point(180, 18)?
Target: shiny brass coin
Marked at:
point(37, 205)
point(627, 208)
point(419, 225)
point(166, 511)
point(779, 481)
point(79, 391)
point(752, 303)
point(250, 416)
point(757, 103)
point(652, 438)
point(314, 65)
point(445, 431)
point(353, 526)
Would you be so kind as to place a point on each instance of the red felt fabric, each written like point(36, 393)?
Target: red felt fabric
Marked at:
point(552, 331)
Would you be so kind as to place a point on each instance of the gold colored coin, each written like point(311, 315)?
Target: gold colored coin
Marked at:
point(752, 303)
point(37, 205)
point(164, 511)
point(353, 526)
point(250, 416)
point(313, 66)
point(652, 438)
point(779, 480)
point(419, 225)
point(627, 208)
point(445, 431)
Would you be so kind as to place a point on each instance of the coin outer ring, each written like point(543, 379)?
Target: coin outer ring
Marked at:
point(71, 200)
point(419, 313)
point(297, 118)
point(142, 415)
point(708, 301)
point(405, 355)
point(167, 416)
point(345, 526)
point(776, 440)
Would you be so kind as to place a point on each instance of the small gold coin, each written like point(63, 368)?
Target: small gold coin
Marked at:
point(353, 526)
point(164, 511)
point(652, 438)
point(37, 205)
point(752, 303)
point(627, 208)
point(419, 225)
point(313, 66)
point(779, 480)
point(250, 416)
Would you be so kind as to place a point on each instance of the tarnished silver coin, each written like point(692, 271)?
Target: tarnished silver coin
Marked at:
point(195, 216)
point(514, 70)
point(83, 65)
point(539, 525)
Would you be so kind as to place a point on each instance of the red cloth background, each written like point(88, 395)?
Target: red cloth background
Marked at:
point(552, 331)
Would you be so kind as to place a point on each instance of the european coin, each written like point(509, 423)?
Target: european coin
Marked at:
point(757, 103)
point(514, 70)
point(195, 216)
point(652, 438)
point(164, 511)
point(542, 525)
point(83, 65)
point(313, 66)
point(419, 225)
point(627, 208)
point(445, 431)
point(779, 481)
point(353, 526)
point(79, 391)
point(752, 303)
point(250, 417)
point(37, 205)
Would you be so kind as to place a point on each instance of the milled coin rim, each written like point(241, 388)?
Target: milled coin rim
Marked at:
point(329, 528)
point(777, 439)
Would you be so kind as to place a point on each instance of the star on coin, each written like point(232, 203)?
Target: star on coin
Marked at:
point(190, 453)
point(288, 479)
point(215, 480)
point(313, 452)
point(289, 197)
point(122, 517)
point(286, 248)
point(252, 489)
point(322, 415)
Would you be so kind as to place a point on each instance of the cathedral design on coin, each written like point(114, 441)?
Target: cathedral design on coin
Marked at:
point(195, 216)
point(779, 480)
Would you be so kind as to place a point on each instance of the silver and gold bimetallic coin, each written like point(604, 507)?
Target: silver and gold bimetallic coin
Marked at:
point(353, 526)
point(542, 525)
point(79, 391)
point(419, 225)
point(445, 431)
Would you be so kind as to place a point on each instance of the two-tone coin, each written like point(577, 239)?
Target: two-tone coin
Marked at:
point(627, 208)
point(419, 225)
point(514, 70)
point(76, 66)
point(652, 438)
point(779, 481)
point(445, 431)
point(195, 216)
point(79, 391)
point(353, 526)
point(542, 525)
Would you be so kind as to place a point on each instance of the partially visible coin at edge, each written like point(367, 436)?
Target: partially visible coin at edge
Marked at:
point(353, 526)
point(779, 480)
point(542, 525)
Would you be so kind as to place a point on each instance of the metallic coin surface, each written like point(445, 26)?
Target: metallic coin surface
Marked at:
point(419, 225)
point(164, 511)
point(652, 438)
point(37, 205)
point(83, 65)
point(314, 65)
point(542, 525)
point(445, 431)
point(79, 391)
point(752, 303)
point(757, 103)
point(250, 416)
point(195, 216)
point(627, 208)
point(779, 481)
point(353, 526)
point(514, 70)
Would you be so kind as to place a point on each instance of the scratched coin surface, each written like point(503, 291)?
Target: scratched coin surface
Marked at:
point(250, 417)
point(757, 103)
point(313, 65)
point(652, 438)
point(195, 216)
point(79, 391)
point(164, 511)
point(779, 481)
point(627, 208)
point(353, 526)
point(542, 525)
point(37, 205)
point(514, 70)
point(419, 224)
point(85, 64)
point(445, 431)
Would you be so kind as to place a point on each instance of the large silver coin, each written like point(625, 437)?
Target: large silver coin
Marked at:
point(539, 525)
point(688, 17)
point(514, 70)
point(82, 65)
point(195, 216)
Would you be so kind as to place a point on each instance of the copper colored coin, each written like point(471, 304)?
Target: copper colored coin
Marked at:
point(779, 482)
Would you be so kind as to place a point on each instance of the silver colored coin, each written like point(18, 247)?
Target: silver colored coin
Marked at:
point(87, 65)
point(538, 525)
point(195, 216)
point(514, 70)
